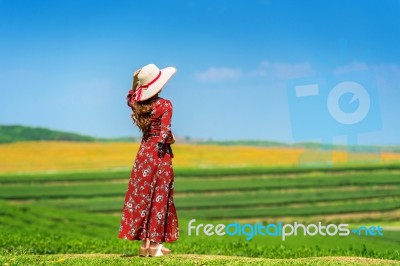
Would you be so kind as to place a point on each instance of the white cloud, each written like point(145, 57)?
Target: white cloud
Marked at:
point(387, 75)
point(216, 74)
point(354, 66)
point(390, 68)
point(281, 70)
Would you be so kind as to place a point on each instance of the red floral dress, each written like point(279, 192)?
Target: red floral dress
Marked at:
point(149, 210)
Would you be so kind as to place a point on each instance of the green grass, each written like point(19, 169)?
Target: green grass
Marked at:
point(58, 217)
point(280, 198)
point(30, 229)
point(312, 194)
point(198, 185)
point(308, 210)
point(239, 199)
point(63, 176)
point(117, 259)
point(190, 259)
point(198, 172)
point(256, 183)
point(37, 191)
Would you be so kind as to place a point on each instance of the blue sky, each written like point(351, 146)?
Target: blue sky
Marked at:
point(67, 65)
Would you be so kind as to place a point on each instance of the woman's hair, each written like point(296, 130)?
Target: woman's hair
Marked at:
point(142, 113)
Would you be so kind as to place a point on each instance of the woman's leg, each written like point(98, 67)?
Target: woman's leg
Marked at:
point(163, 221)
point(144, 248)
point(146, 243)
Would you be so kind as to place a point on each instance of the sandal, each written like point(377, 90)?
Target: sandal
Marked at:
point(159, 251)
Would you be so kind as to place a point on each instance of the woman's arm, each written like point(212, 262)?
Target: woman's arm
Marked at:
point(166, 117)
point(165, 130)
point(135, 81)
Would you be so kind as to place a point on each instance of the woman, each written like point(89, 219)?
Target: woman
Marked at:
point(149, 212)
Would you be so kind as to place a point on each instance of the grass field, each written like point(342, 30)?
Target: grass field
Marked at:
point(78, 212)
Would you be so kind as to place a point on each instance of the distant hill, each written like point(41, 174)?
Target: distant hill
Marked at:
point(307, 145)
point(14, 133)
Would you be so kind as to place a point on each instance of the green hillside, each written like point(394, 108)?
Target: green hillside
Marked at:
point(14, 133)
point(307, 145)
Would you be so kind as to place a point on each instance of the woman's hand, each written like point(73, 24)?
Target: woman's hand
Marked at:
point(161, 149)
point(136, 73)
point(135, 79)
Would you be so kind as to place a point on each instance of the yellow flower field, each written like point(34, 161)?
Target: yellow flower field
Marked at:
point(60, 156)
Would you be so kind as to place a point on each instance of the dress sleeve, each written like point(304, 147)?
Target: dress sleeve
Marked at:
point(165, 121)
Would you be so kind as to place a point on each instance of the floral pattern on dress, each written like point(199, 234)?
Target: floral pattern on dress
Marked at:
point(149, 210)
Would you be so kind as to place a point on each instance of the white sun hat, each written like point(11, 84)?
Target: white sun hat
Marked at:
point(151, 80)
